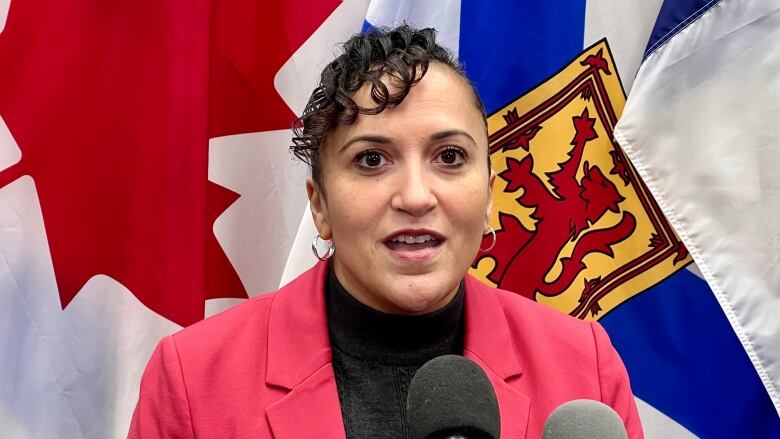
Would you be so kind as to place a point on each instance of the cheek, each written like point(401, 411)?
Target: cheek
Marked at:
point(467, 209)
point(353, 213)
point(476, 193)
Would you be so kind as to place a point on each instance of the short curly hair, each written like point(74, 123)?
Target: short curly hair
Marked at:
point(403, 53)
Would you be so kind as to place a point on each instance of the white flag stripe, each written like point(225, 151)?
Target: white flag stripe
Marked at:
point(627, 25)
point(72, 359)
point(12, 428)
point(444, 16)
point(700, 126)
point(9, 150)
point(301, 257)
point(693, 268)
point(657, 425)
point(257, 231)
point(216, 306)
point(300, 74)
point(5, 5)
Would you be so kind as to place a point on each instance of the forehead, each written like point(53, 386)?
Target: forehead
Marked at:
point(441, 101)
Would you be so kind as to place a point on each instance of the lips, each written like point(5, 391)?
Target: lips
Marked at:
point(414, 244)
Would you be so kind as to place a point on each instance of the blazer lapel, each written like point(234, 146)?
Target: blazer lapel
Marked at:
point(311, 410)
point(513, 406)
point(488, 341)
point(299, 359)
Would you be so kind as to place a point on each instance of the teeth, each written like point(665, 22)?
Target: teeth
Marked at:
point(409, 239)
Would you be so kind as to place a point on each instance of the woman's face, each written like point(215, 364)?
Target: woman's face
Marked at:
point(407, 196)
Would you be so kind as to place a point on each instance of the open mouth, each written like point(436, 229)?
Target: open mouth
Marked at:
point(407, 242)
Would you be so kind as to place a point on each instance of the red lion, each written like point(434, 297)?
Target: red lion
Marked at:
point(524, 257)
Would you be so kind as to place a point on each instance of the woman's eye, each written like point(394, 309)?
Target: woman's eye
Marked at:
point(370, 159)
point(452, 156)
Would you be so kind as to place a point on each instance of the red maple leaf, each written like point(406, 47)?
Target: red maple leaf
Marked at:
point(112, 105)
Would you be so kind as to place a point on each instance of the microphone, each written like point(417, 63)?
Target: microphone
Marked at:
point(450, 397)
point(584, 419)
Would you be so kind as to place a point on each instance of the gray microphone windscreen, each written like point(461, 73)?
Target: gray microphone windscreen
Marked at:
point(584, 419)
point(451, 396)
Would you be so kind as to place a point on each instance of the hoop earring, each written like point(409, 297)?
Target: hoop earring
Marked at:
point(328, 253)
point(492, 232)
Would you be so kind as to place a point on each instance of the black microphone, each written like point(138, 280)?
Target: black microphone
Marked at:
point(584, 419)
point(450, 397)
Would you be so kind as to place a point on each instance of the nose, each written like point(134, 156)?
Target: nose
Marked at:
point(414, 194)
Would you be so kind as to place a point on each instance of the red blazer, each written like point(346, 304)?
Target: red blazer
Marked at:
point(262, 369)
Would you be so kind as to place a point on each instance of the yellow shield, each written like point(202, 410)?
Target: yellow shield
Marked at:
point(576, 228)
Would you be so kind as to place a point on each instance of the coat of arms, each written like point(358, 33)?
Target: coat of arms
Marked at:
point(576, 227)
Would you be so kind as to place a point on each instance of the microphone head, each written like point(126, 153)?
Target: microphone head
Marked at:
point(452, 395)
point(584, 419)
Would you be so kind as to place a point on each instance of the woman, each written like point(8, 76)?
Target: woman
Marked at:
point(401, 191)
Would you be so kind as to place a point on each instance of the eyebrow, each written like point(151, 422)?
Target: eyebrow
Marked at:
point(365, 138)
point(452, 133)
point(441, 135)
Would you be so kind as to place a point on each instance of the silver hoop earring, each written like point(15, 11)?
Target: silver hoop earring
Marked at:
point(328, 253)
point(493, 232)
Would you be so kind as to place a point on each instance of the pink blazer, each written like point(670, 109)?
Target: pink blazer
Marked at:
point(263, 368)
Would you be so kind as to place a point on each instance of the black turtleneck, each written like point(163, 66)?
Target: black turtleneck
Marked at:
point(376, 354)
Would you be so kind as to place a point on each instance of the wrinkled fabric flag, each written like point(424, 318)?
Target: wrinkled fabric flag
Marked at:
point(701, 127)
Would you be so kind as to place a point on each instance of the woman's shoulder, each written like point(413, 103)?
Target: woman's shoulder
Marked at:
point(564, 357)
point(246, 325)
point(246, 319)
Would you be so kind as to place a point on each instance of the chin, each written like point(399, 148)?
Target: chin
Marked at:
point(421, 299)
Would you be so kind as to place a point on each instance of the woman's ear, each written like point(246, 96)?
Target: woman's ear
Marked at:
point(489, 210)
point(319, 209)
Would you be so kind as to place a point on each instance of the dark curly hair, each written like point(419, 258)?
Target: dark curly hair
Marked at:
point(402, 53)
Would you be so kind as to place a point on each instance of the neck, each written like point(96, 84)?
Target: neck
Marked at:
point(391, 338)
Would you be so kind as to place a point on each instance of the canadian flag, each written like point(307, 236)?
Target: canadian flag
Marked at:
point(145, 184)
